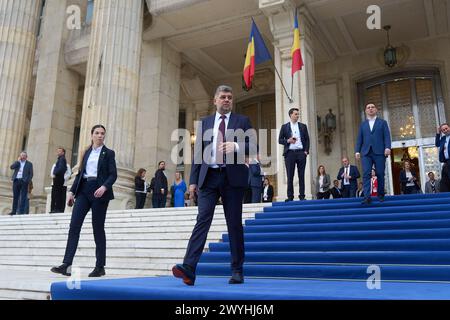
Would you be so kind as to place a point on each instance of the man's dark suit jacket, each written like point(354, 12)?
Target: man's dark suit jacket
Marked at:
point(286, 133)
point(255, 175)
point(106, 172)
point(378, 139)
point(354, 173)
point(27, 173)
point(59, 171)
point(440, 143)
point(160, 182)
point(237, 174)
point(336, 193)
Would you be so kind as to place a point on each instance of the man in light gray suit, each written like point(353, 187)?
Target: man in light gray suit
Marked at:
point(432, 185)
point(21, 178)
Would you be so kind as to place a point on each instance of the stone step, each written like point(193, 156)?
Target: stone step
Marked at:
point(117, 224)
point(51, 260)
point(217, 226)
point(109, 236)
point(167, 212)
point(128, 272)
point(20, 294)
point(88, 251)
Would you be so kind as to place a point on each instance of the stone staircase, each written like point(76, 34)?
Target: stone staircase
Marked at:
point(139, 243)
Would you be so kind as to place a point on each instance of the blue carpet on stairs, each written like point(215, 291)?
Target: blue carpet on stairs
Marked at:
point(207, 288)
point(320, 242)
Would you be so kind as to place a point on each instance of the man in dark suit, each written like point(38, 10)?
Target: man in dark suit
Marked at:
point(160, 190)
point(442, 142)
point(348, 175)
point(295, 139)
point(219, 170)
point(23, 173)
point(58, 191)
point(373, 146)
point(255, 179)
point(336, 192)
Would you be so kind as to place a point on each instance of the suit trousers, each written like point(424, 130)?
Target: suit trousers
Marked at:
point(292, 159)
point(216, 185)
point(20, 196)
point(58, 200)
point(140, 199)
point(256, 194)
point(379, 160)
point(348, 191)
point(84, 202)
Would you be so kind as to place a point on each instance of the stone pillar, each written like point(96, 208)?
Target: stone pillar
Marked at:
point(54, 107)
point(18, 28)
point(281, 17)
point(111, 89)
point(158, 109)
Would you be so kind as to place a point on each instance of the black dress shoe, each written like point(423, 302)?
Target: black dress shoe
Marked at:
point(12, 214)
point(236, 278)
point(289, 199)
point(301, 198)
point(97, 272)
point(367, 201)
point(185, 272)
point(63, 269)
point(381, 198)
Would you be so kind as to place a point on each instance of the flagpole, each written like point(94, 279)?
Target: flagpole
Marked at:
point(282, 84)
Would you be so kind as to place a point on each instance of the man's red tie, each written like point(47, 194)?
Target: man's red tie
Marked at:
point(220, 155)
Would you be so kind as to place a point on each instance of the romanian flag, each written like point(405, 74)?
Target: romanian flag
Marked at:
point(297, 61)
point(257, 52)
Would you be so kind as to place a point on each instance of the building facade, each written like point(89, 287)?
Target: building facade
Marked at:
point(147, 68)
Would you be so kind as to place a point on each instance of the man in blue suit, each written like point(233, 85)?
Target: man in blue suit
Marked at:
point(219, 170)
point(373, 145)
point(295, 139)
point(348, 175)
point(21, 178)
point(442, 142)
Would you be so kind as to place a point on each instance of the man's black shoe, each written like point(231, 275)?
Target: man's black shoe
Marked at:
point(63, 269)
point(12, 214)
point(97, 272)
point(301, 198)
point(381, 198)
point(366, 201)
point(289, 199)
point(236, 278)
point(184, 272)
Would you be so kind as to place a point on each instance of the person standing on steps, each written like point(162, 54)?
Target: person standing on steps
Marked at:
point(91, 190)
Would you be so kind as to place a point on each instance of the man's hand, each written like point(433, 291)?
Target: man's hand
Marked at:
point(291, 140)
point(99, 192)
point(227, 147)
point(162, 190)
point(358, 155)
point(192, 190)
point(438, 130)
point(387, 152)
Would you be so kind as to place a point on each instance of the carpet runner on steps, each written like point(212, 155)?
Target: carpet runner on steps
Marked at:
point(326, 242)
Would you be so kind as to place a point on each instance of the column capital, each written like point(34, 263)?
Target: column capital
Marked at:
point(281, 19)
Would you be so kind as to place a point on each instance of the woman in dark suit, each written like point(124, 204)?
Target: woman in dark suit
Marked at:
point(408, 179)
point(140, 188)
point(92, 189)
point(323, 183)
point(267, 191)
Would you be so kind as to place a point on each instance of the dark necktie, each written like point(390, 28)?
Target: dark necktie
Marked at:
point(220, 156)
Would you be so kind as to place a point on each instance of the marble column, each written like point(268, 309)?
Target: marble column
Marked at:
point(159, 99)
point(281, 18)
point(111, 88)
point(18, 28)
point(54, 106)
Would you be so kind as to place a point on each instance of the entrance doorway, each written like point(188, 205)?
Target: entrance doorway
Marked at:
point(412, 104)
